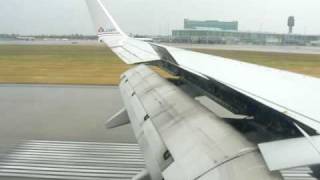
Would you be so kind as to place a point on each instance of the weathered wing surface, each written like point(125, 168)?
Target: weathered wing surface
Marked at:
point(183, 140)
point(293, 153)
point(289, 93)
point(293, 95)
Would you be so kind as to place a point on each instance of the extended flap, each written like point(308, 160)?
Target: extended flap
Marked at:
point(290, 153)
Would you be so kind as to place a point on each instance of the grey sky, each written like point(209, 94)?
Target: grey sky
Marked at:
point(157, 16)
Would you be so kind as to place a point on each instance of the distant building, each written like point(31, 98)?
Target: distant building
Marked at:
point(234, 37)
point(211, 24)
point(218, 32)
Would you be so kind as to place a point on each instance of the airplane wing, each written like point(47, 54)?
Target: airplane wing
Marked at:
point(131, 51)
point(183, 140)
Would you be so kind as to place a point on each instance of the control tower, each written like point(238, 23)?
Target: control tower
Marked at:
point(291, 23)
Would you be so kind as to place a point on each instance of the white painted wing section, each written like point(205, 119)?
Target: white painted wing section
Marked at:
point(294, 95)
point(130, 50)
point(291, 153)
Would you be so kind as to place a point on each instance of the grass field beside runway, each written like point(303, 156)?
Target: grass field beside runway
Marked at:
point(73, 64)
point(59, 64)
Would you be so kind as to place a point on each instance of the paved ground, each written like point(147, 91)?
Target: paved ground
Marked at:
point(64, 160)
point(65, 113)
point(241, 47)
point(62, 113)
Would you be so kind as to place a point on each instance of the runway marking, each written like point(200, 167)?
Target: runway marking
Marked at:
point(67, 160)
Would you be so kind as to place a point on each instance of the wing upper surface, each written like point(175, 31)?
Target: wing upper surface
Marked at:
point(291, 94)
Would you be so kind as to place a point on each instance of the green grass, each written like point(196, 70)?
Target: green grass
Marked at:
point(76, 64)
point(59, 65)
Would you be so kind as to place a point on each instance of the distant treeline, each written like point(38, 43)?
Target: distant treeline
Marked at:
point(72, 36)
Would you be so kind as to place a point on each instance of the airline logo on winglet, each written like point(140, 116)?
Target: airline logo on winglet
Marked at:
point(102, 31)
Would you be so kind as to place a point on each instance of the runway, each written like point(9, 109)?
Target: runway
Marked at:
point(237, 47)
point(69, 160)
point(58, 113)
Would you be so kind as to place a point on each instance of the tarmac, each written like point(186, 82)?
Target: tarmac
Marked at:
point(59, 113)
point(291, 49)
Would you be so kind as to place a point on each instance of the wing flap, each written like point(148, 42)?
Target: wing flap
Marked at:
point(290, 153)
point(198, 141)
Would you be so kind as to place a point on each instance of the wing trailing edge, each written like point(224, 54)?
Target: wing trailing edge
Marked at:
point(290, 153)
point(159, 111)
point(180, 138)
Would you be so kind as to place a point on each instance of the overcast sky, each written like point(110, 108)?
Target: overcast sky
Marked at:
point(157, 16)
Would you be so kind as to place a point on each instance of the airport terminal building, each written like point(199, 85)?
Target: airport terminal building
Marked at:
point(218, 32)
point(213, 24)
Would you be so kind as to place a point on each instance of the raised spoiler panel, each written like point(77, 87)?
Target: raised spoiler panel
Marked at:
point(249, 89)
point(180, 138)
point(293, 96)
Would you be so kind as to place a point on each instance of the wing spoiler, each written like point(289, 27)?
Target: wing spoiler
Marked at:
point(241, 87)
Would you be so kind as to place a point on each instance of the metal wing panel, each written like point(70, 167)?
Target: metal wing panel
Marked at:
point(290, 153)
point(157, 145)
point(129, 50)
point(289, 93)
point(141, 49)
point(197, 140)
point(124, 55)
point(241, 171)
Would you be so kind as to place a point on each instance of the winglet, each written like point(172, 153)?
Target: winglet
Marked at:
point(103, 21)
point(128, 49)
